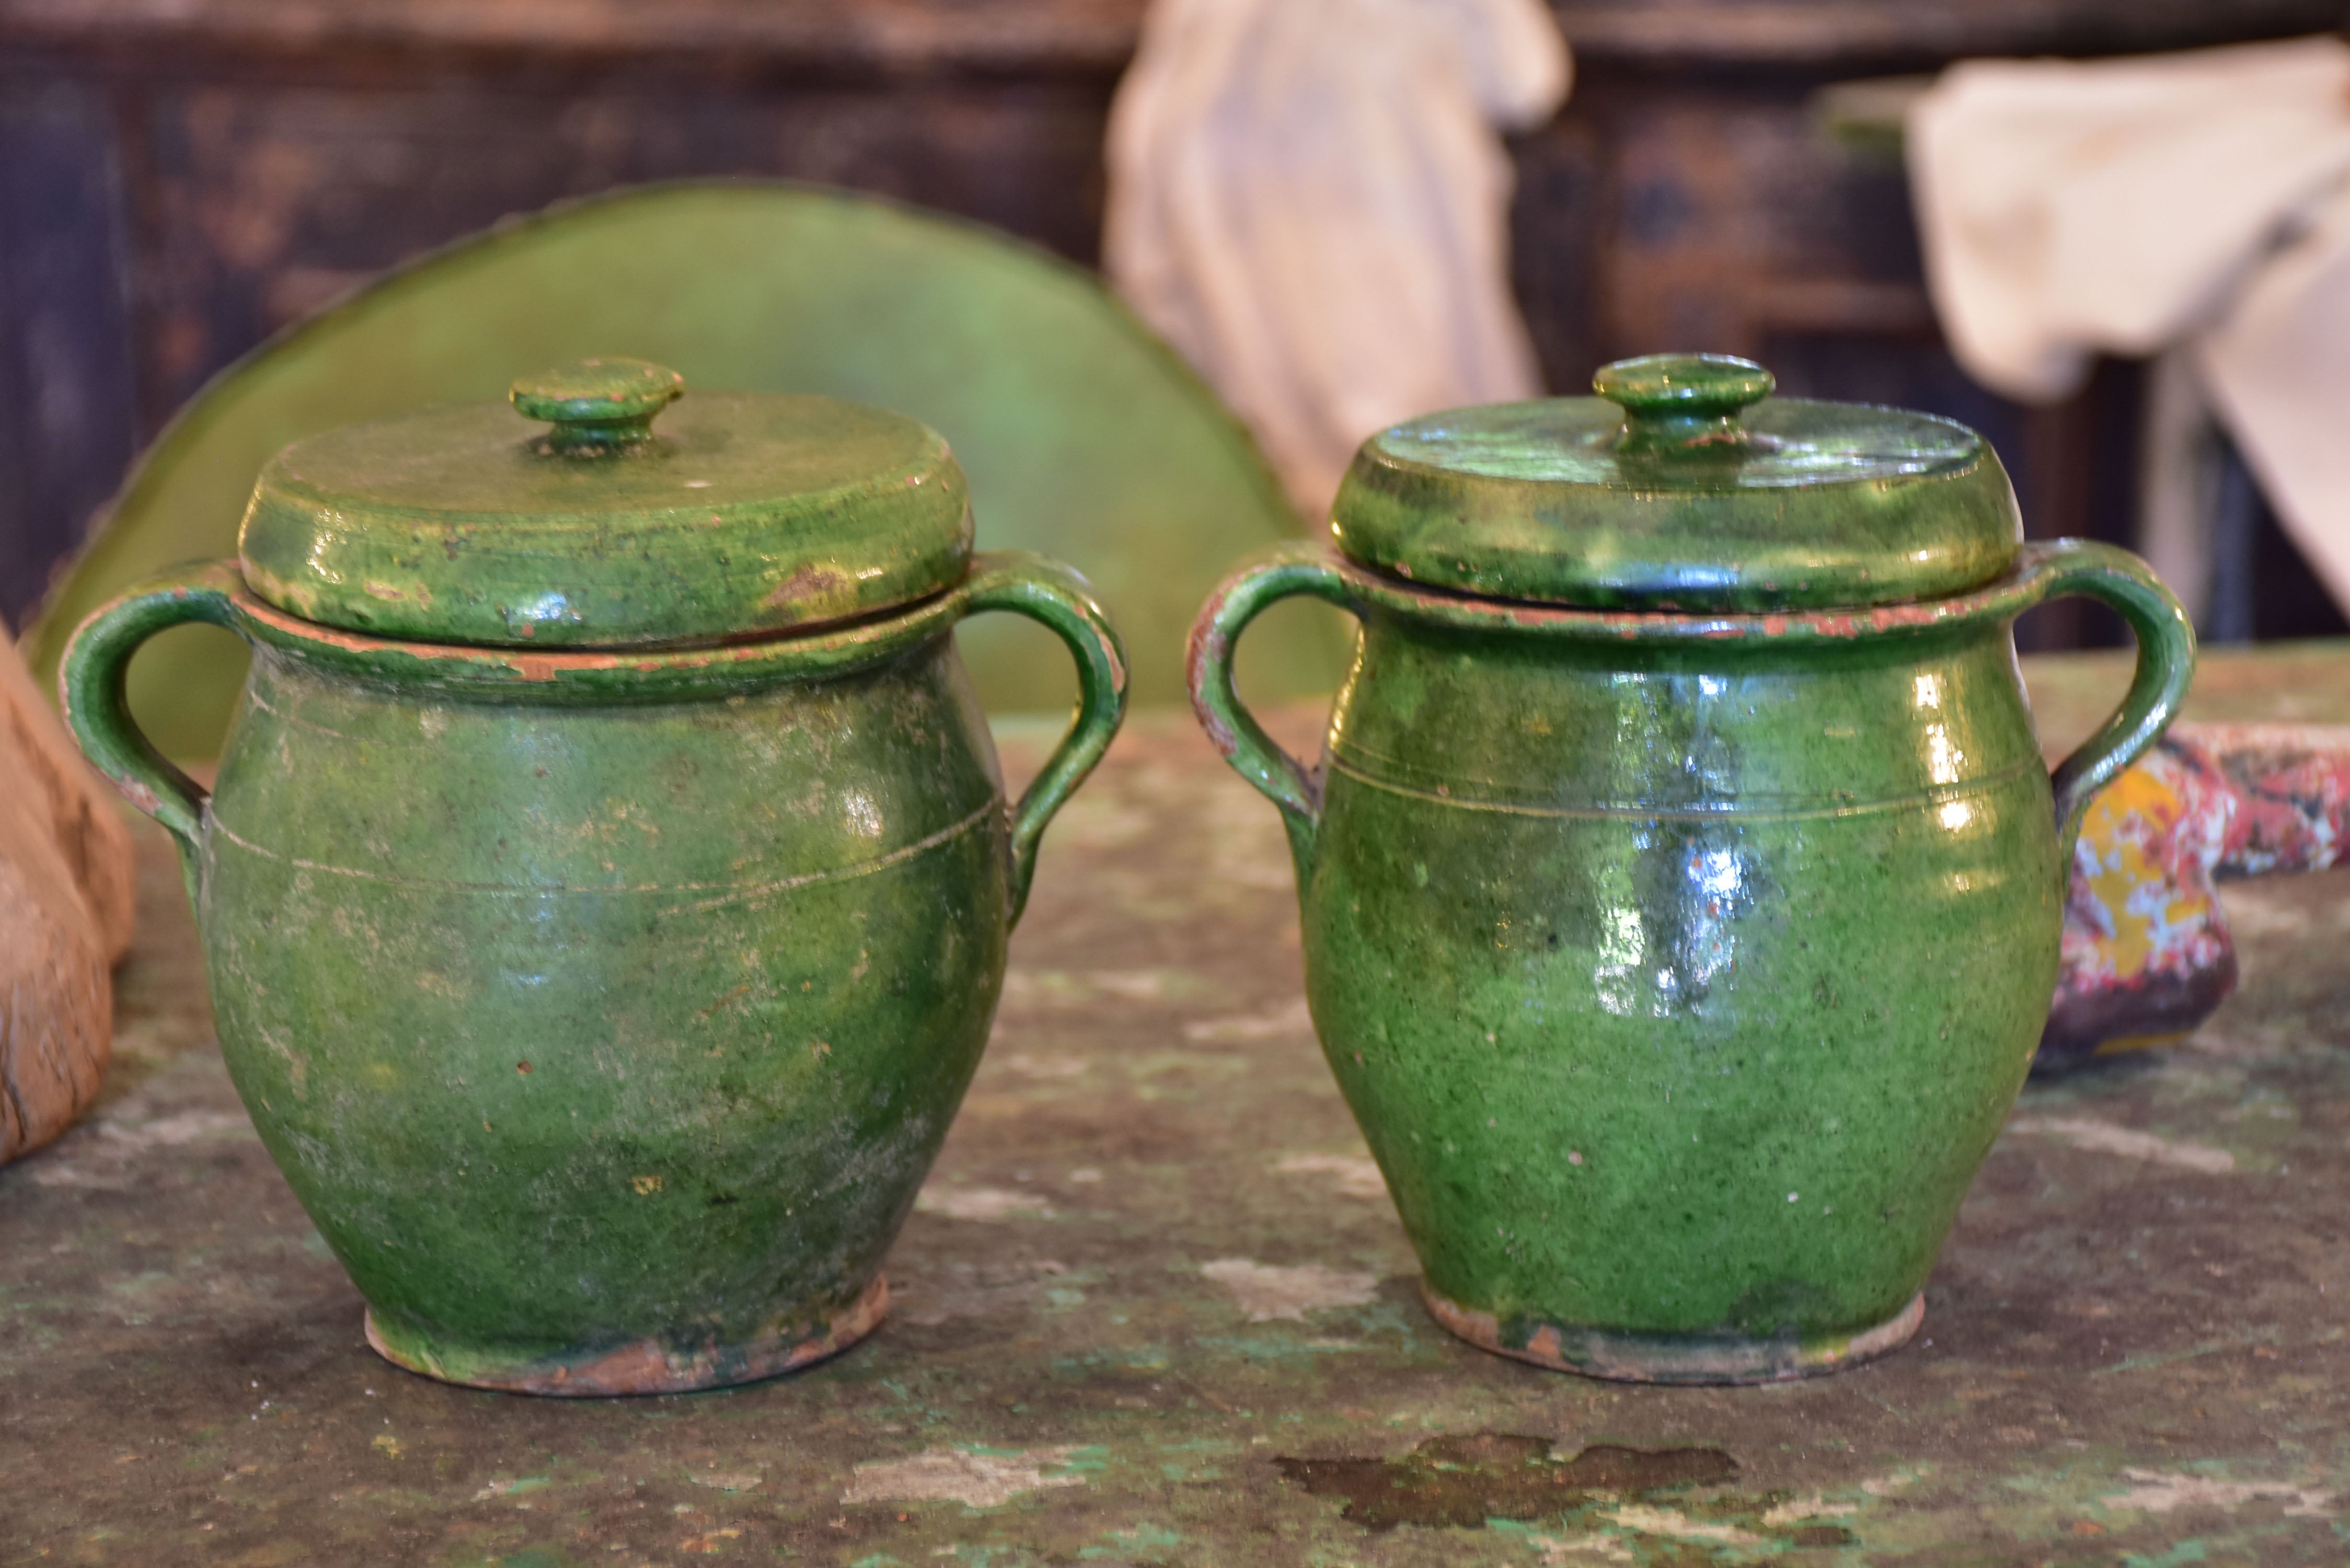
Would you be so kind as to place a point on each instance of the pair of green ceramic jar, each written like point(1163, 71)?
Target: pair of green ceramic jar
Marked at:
point(605, 886)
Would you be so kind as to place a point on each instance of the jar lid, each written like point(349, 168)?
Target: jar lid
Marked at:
point(1680, 487)
point(738, 511)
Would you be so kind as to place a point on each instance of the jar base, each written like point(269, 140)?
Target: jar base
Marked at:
point(1678, 1357)
point(647, 1366)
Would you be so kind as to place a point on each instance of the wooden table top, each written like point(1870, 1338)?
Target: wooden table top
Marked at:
point(1155, 1307)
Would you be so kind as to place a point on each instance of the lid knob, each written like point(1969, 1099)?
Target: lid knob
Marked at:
point(1672, 401)
point(598, 405)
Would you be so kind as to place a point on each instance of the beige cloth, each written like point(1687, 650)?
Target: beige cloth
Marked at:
point(2126, 206)
point(1310, 201)
point(65, 909)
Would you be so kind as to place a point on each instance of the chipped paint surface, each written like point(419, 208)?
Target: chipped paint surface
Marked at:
point(1269, 1292)
point(1678, 1526)
point(2158, 1492)
point(1356, 1175)
point(179, 1349)
point(978, 1202)
point(1468, 1480)
point(1558, 1553)
point(1795, 1510)
point(2103, 1137)
point(1289, 1019)
point(976, 1479)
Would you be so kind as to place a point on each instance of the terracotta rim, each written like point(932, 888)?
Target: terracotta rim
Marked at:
point(1631, 1357)
point(651, 1366)
point(2037, 573)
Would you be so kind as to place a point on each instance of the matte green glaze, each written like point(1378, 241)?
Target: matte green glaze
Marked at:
point(604, 1009)
point(1660, 495)
point(738, 511)
point(1681, 969)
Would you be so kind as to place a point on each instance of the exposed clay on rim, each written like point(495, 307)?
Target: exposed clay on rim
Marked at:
point(1678, 1357)
point(543, 667)
point(647, 1367)
point(2035, 576)
point(1208, 650)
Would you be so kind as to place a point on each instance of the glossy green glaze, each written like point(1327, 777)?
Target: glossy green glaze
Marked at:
point(1681, 969)
point(736, 513)
point(604, 1009)
point(602, 402)
point(1661, 494)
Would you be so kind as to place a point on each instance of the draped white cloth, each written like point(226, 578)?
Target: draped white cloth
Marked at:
point(1309, 199)
point(2126, 206)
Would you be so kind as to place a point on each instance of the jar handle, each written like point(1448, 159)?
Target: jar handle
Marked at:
point(2061, 568)
point(90, 692)
point(1278, 573)
point(1060, 599)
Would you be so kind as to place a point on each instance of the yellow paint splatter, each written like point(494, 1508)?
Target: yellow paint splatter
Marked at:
point(2124, 867)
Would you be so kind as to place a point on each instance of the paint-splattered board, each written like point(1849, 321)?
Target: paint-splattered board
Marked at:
point(1156, 1310)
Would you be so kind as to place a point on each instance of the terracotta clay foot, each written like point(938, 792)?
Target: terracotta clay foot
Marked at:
point(1675, 1357)
point(647, 1366)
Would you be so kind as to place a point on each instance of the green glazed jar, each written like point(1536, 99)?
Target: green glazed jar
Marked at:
point(1681, 882)
point(605, 888)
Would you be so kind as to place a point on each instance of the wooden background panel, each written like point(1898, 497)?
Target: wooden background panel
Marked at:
point(216, 168)
point(66, 388)
point(268, 200)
